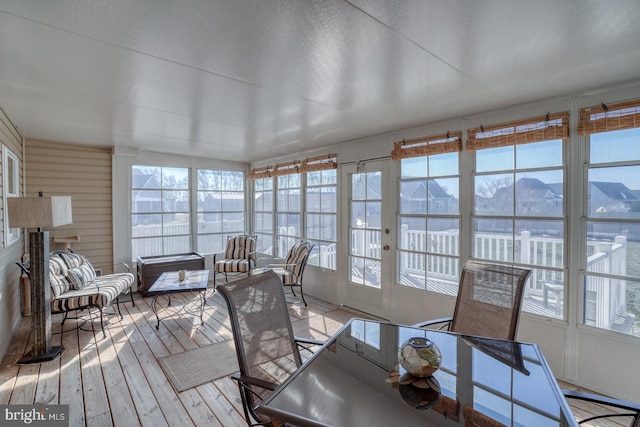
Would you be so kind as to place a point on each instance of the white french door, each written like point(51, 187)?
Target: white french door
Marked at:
point(367, 278)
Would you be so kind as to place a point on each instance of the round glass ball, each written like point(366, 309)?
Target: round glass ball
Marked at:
point(420, 357)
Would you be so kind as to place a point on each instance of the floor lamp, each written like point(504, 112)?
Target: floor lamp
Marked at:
point(40, 212)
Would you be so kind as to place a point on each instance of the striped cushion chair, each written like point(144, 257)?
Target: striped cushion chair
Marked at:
point(239, 256)
point(292, 269)
point(75, 286)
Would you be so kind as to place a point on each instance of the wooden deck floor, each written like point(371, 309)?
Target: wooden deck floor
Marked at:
point(117, 381)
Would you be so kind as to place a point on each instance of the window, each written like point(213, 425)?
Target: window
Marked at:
point(11, 188)
point(612, 233)
point(277, 234)
point(160, 210)
point(221, 207)
point(429, 218)
point(519, 203)
point(320, 218)
point(263, 214)
point(288, 208)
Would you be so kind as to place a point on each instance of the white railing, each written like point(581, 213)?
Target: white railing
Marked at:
point(606, 297)
point(540, 251)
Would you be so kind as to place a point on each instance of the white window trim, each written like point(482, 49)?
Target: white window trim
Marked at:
point(11, 235)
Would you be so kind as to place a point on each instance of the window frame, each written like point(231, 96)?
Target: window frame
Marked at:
point(219, 236)
point(590, 315)
point(325, 259)
point(10, 188)
point(161, 212)
point(511, 135)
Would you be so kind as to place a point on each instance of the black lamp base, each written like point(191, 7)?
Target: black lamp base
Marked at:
point(55, 352)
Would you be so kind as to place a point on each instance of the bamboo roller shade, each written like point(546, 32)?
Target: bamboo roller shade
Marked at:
point(312, 164)
point(544, 128)
point(601, 118)
point(418, 147)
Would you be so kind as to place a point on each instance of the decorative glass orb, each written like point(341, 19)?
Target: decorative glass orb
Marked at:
point(420, 357)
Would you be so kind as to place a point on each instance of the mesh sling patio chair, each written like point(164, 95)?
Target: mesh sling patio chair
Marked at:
point(239, 256)
point(488, 302)
point(266, 348)
point(292, 269)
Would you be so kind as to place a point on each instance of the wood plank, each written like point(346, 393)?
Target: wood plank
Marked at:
point(9, 367)
point(71, 378)
point(115, 384)
point(93, 387)
point(169, 340)
point(174, 412)
point(147, 407)
point(224, 410)
point(24, 389)
point(201, 414)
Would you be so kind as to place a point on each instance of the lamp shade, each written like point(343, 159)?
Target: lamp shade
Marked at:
point(45, 212)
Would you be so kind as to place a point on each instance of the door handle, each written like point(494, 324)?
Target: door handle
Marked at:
point(385, 247)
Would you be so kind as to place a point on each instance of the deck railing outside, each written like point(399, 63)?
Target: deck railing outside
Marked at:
point(605, 298)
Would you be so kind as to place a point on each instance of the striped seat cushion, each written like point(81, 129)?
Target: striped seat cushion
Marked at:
point(100, 293)
point(232, 266)
point(237, 258)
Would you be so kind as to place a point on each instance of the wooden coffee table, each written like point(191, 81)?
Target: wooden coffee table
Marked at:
point(168, 283)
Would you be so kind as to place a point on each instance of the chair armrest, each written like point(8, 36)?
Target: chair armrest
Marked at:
point(446, 320)
point(125, 266)
point(604, 400)
point(244, 379)
point(271, 266)
point(308, 343)
point(218, 254)
point(259, 261)
point(24, 266)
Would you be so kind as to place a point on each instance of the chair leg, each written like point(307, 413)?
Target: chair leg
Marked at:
point(104, 334)
point(302, 295)
point(118, 305)
point(133, 303)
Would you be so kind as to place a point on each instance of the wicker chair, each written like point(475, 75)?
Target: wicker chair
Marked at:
point(239, 257)
point(268, 352)
point(292, 269)
point(488, 303)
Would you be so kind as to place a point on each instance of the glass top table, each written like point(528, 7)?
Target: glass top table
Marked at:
point(169, 283)
point(356, 379)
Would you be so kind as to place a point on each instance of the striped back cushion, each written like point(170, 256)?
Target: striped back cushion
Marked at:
point(240, 247)
point(296, 258)
point(57, 276)
point(82, 276)
point(73, 260)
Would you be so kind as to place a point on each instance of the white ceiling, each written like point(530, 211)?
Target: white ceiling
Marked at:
point(249, 80)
